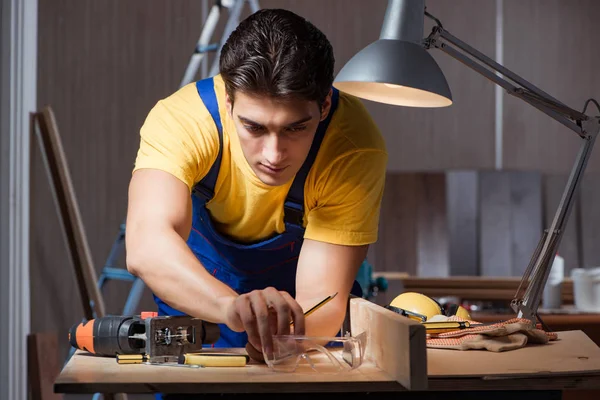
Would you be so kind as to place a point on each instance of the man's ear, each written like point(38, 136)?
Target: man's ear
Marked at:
point(229, 105)
point(326, 106)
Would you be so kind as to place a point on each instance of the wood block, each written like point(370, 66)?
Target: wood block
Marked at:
point(43, 366)
point(395, 343)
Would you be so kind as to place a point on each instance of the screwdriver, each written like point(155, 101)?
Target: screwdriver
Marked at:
point(442, 326)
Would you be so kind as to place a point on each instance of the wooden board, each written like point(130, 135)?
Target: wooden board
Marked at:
point(395, 360)
point(573, 353)
point(86, 373)
point(472, 287)
point(395, 343)
point(67, 207)
point(449, 369)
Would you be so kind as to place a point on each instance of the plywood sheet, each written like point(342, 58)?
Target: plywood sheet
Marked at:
point(572, 353)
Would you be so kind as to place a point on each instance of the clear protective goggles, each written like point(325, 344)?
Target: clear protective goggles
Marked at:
point(298, 353)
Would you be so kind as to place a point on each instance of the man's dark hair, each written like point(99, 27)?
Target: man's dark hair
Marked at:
point(280, 54)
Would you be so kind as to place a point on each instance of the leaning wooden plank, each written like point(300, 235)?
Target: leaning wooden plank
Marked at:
point(68, 212)
point(395, 343)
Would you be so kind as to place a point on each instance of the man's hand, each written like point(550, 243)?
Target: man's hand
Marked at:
point(264, 313)
point(254, 354)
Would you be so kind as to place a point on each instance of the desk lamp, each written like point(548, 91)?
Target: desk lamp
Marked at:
point(397, 69)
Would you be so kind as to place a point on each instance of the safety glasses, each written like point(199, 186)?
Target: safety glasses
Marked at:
point(296, 353)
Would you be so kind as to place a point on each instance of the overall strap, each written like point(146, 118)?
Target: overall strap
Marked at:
point(294, 202)
point(205, 189)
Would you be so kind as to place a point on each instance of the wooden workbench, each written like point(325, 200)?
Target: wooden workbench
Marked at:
point(572, 362)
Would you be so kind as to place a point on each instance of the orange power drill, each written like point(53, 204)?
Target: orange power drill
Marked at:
point(147, 334)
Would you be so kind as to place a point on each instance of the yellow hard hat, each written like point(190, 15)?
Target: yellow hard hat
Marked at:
point(421, 307)
point(458, 310)
point(418, 304)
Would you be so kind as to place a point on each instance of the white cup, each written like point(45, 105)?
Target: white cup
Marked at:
point(586, 288)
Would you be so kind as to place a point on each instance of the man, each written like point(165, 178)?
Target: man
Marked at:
point(256, 193)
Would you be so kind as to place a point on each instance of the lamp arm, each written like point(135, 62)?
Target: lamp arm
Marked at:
point(535, 277)
point(519, 87)
point(526, 303)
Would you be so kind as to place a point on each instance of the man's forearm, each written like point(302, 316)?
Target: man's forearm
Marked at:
point(326, 321)
point(168, 267)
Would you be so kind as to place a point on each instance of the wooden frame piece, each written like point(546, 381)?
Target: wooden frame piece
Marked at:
point(52, 151)
point(395, 344)
point(43, 366)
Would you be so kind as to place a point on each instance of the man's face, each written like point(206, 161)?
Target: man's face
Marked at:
point(275, 134)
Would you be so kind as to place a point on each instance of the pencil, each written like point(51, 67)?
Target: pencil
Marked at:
point(317, 306)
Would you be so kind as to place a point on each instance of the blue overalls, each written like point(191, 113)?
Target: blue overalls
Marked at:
point(246, 267)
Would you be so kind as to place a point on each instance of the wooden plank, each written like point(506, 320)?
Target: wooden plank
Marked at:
point(43, 365)
point(474, 288)
point(90, 374)
point(432, 225)
point(569, 248)
point(70, 216)
point(573, 353)
point(395, 343)
point(530, 387)
point(448, 370)
point(495, 229)
point(525, 218)
point(462, 198)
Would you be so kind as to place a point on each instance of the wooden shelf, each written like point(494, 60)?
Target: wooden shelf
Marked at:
point(470, 287)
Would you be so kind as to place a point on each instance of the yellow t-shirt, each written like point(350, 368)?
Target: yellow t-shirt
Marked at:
point(342, 192)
